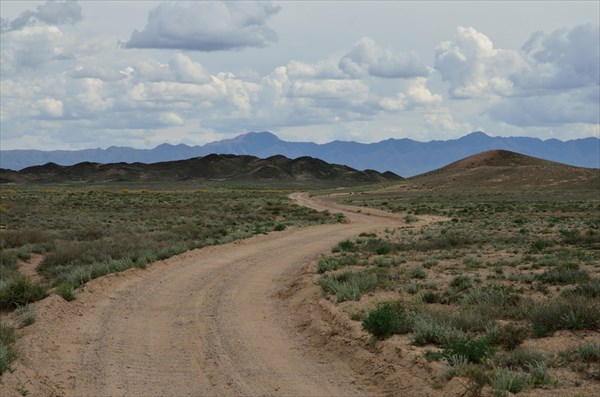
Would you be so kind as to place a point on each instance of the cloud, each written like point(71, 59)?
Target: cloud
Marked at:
point(91, 98)
point(48, 108)
point(368, 58)
point(171, 118)
point(417, 95)
point(575, 106)
point(473, 67)
point(49, 13)
point(207, 26)
point(331, 89)
point(30, 47)
point(556, 80)
point(98, 72)
point(563, 59)
point(442, 120)
point(326, 69)
point(187, 70)
point(179, 69)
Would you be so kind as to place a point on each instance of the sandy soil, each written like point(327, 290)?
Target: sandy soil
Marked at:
point(237, 319)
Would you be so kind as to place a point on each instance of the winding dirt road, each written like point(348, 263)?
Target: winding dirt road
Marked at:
point(205, 323)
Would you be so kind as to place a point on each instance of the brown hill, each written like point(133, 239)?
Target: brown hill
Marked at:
point(503, 169)
point(213, 167)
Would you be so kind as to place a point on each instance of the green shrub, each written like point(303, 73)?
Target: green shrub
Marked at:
point(383, 250)
point(348, 260)
point(387, 319)
point(429, 263)
point(67, 291)
point(345, 246)
point(497, 298)
point(538, 373)
point(506, 380)
point(473, 263)
point(145, 258)
point(327, 264)
point(540, 245)
point(417, 272)
point(377, 246)
point(588, 352)
point(27, 319)
point(8, 337)
point(519, 358)
point(8, 259)
point(566, 273)
point(509, 336)
point(573, 312)
point(589, 289)
point(17, 238)
point(429, 297)
point(168, 252)
point(471, 319)
point(474, 350)
point(461, 283)
point(476, 379)
point(577, 237)
point(426, 330)
point(351, 285)
point(412, 287)
point(279, 227)
point(20, 291)
point(410, 218)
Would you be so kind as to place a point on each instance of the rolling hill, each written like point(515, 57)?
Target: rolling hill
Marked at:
point(404, 157)
point(503, 169)
point(213, 167)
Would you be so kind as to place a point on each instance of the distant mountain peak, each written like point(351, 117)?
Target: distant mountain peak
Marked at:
point(476, 137)
point(263, 136)
point(480, 134)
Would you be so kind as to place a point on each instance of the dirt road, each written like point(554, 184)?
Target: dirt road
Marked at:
point(208, 322)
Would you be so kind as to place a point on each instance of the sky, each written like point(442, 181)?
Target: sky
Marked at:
point(89, 74)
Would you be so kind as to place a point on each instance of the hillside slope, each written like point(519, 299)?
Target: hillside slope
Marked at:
point(503, 169)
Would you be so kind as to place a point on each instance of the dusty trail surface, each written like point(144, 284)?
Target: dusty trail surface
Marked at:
point(208, 322)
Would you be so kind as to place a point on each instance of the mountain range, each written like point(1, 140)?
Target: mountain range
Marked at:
point(405, 157)
point(214, 167)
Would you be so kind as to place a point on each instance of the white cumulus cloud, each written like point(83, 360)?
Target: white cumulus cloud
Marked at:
point(416, 95)
point(473, 67)
point(563, 59)
point(207, 26)
point(368, 58)
point(50, 13)
point(171, 118)
point(30, 47)
point(48, 108)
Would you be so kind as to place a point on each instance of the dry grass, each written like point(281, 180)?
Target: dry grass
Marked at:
point(87, 233)
point(502, 272)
